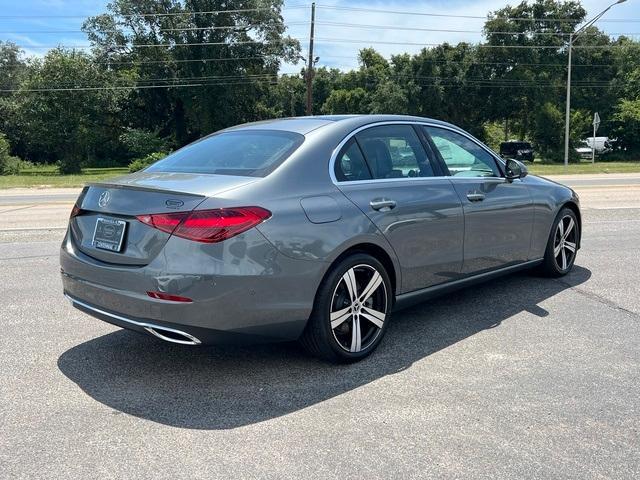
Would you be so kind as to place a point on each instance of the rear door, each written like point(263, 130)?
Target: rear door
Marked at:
point(386, 171)
point(498, 213)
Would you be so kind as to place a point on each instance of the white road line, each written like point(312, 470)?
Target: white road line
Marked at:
point(30, 229)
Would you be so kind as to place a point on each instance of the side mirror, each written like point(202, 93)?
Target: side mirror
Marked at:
point(515, 169)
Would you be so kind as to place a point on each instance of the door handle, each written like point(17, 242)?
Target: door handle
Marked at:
point(382, 204)
point(475, 196)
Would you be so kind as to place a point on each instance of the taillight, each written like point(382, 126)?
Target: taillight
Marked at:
point(75, 211)
point(209, 226)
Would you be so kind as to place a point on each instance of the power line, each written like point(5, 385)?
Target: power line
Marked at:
point(218, 78)
point(198, 85)
point(182, 29)
point(404, 12)
point(168, 14)
point(249, 77)
point(329, 24)
point(419, 44)
point(318, 39)
point(189, 60)
point(472, 63)
point(152, 45)
point(133, 87)
point(419, 29)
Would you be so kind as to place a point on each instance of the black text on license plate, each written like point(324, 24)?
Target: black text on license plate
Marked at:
point(109, 234)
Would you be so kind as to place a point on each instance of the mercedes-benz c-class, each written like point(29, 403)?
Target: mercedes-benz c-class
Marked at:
point(313, 228)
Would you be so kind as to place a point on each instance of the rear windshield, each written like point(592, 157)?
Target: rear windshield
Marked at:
point(252, 153)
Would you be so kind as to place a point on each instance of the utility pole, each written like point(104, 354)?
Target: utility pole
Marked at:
point(310, 64)
point(567, 115)
point(572, 38)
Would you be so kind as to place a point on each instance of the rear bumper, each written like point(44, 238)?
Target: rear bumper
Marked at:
point(163, 332)
point(240, 294)
point(169, 332)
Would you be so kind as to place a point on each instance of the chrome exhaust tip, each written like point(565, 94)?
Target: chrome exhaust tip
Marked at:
point(172, 336)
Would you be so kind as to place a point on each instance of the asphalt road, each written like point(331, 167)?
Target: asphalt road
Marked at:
point(522, 377)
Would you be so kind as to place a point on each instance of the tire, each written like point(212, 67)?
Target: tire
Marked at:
point(364, 319)
point(560, 255)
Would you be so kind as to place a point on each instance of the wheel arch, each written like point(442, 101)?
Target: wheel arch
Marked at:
point(571, 205)
point(377, 252)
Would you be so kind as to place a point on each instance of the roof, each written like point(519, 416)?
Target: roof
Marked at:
point(304, 125)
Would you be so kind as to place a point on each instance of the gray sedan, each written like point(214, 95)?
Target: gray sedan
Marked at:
point(310, 228)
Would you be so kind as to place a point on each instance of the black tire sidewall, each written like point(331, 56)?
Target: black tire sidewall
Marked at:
point(550, 265)
point(325, 297)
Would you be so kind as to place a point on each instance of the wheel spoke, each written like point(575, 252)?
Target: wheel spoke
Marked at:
point(556, 250)
point(374, 283)
point(374, 316)
point(339, 317)
point(564, 259)
point(349, 279)
point(570, 246)
point(356, 337)
point(561, 228)
point(568, 230)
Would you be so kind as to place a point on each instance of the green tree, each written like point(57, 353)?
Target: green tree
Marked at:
point(139, 143)
point(345, 101)
point(232, 58)
point(626, 125)
point(548, 131)
point(12, 70)
point(68, 126)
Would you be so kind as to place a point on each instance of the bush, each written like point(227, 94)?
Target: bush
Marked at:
point(144, 162)
point(140, 143)
point(11, 166)
point(69, 165)
point(8, 165)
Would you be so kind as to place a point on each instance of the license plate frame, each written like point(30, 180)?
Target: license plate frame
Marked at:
point(108, 234)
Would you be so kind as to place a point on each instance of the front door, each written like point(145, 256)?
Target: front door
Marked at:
point(386, 172)
point(498, 213)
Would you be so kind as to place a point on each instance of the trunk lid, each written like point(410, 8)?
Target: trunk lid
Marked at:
point(122, 199)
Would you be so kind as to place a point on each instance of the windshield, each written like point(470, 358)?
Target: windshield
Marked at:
point(252, 153)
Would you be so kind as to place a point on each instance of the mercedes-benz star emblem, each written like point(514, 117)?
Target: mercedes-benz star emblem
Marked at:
point(105, 198)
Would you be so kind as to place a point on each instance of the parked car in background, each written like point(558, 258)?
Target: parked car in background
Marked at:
point(583, 149)
point(518, 150)
point(312, 228)
point(602, 145)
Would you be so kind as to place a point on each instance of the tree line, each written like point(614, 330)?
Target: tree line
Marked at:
point(158, 76)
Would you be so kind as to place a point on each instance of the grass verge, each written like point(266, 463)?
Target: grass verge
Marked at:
point(47, 176)
point(583, 167)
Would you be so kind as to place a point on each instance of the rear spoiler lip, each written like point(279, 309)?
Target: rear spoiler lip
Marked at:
point(144, 189)
point(124, 186)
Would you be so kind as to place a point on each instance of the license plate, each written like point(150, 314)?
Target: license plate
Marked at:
point(109, 234)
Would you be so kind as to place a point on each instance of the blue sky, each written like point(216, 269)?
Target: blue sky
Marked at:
point(624, 18)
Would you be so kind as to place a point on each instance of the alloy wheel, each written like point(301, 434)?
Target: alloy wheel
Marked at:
point(565, 241)
point(358, 308)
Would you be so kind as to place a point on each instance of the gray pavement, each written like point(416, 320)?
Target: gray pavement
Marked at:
point(522, 377)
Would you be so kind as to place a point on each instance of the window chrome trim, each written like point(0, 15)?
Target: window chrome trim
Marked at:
point(336, 152)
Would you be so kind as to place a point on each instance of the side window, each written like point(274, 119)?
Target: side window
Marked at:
point(394, 151)
point(350, 164)
point(463, 157)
